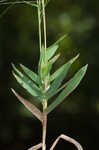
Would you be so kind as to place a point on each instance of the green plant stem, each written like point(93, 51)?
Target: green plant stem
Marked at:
point(44, 24)
point(39, 23)
point(45, 82)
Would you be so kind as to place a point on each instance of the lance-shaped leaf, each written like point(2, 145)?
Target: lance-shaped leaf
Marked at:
point(63, 68)
point(26, 79)
point(71, 85)
point(30, 74)
point(32, 108)
point(28, 86)
point(48, 96)
point(27, 83)
point(58, 41)
point(60, 74)
point(51, 51)
point(53, 60)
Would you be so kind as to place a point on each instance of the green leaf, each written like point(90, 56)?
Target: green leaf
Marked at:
point(51, 51)
point(30, 74)
point(59, 76)
point(48, 96)
point(53, 60)
point(63, 68)
point(71, 85)
point(26, 83)
point(58, 41)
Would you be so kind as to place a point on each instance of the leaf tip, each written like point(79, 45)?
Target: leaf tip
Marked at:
point(76, 57)
point(85, 68)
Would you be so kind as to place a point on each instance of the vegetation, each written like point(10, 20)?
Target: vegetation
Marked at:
point(46, 85)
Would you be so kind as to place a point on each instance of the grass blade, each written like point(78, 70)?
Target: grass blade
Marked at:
point(33, 76)
point(27, 84)
point(51, 51)
point(53, 60)
point(64, 67)
point(58, 41)
point(71, 85)
point(59, 76)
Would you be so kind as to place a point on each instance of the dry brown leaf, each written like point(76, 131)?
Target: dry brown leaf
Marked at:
point(32, 108)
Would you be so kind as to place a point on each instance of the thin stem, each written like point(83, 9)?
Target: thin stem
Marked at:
point(69, 139)
point(44, 127)
point(44, 123)
point(39, 23)
point(44, 23)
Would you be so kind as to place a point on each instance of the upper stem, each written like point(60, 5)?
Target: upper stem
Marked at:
point(44, 23)
point(39, 23)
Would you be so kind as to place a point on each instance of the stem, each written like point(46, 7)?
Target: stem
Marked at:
point(44, 23)
point(44, 127)
point(39, 23)
point(44, 103)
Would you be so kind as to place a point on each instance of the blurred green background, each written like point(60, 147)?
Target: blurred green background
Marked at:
point(78, 115)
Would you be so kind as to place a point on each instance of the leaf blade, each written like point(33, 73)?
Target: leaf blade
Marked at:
point(59, 71)
point(58, 41)
point(51, 51)
point(59, 76)
point(72, 84)
point(33, 76)
point(29, 88)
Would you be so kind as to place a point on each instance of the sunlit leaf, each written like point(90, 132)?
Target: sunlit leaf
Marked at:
point(71, 85)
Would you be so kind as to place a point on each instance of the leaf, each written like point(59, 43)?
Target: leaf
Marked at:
point(27, 83)
point(71, 85)
point(30, 74)
point(26, 79)
point(58, 41)
point(59, 76)
point(28, 86)
point(56, 91)
point(51, 51)
point(54, 58)
point(63, 68)
point(32, 108)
